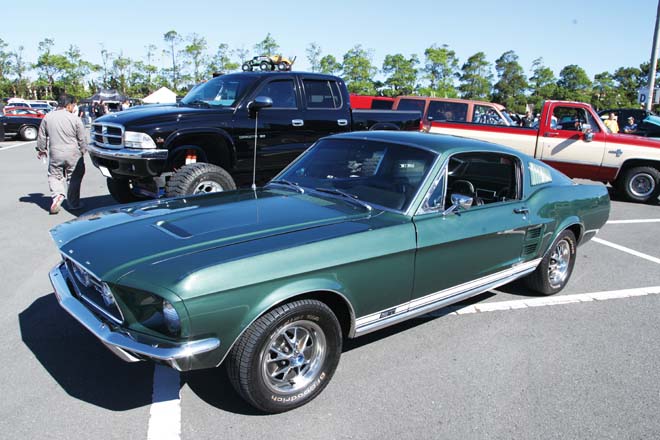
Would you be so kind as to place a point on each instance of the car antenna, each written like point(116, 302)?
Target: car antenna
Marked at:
point(259, 103)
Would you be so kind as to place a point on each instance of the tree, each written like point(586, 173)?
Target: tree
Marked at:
point(512, 84)
point(242, 54)
point(268, 46)
point(441, 70)
point(5, 67)
point(314, 57)
point(51, 68)
point(222, 62)
point(75, 72)
point(542, 84)
point(173, 39)
point(574, 84)
point(106, 59)
point(329, 64)
point(476, 78)
point(628, 81)
point(21, 85)
point(194, 52)
point(121, 73)
point(358, 71)
point(604, 93)
point(402, 73)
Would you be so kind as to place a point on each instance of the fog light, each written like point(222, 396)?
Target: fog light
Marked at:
point(106, 294)
point(171, 318)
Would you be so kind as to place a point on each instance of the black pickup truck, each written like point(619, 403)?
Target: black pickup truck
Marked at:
point(205, 143)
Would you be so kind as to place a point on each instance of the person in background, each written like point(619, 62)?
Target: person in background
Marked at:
point(125, 105)
point(62, 138)
point(612, 123)
point(630, 127)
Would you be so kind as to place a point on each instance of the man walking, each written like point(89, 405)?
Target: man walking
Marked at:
point(63, 135)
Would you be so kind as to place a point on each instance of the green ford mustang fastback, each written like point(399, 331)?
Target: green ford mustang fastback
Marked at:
point(362, 231)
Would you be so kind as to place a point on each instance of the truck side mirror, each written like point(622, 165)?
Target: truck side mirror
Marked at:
point(259, 103)
point(588, 132)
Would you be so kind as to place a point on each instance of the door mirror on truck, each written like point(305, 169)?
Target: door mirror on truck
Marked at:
point(259, 103)
point(588, 132)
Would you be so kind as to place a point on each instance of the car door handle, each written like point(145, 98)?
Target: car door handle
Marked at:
point(551, 134)
point(342, 122)
point(523, 210)
point(297, 122)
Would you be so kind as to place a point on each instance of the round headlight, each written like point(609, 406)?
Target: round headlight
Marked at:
point(106, 293)
point(171, 318)
point(81, 275)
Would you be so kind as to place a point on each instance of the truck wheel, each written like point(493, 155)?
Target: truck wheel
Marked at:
point(29, 133)
point(265, 65)
point(199, 178)
point(555, 269)
point(247, 67)
point(640, 184)
point(287, 356)
point(122, 191)
point(282, 66)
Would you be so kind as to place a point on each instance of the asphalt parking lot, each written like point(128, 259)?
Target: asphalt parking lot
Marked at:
point(506, 365)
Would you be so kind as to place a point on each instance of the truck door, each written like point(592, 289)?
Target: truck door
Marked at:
point(564, 145)
point(282, 132)
point(325, 111)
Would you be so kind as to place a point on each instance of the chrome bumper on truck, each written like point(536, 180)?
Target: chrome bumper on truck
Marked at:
point(177, 356)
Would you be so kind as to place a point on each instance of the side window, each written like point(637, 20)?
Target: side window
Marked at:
point(281, 92)
point(447, 111)
point(572, 119)
point(322, 94)
point(411, 104)
point(483, 114)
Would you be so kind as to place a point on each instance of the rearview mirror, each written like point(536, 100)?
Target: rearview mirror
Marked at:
point(259, 103)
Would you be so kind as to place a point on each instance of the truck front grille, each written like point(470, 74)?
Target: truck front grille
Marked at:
point(108, 135)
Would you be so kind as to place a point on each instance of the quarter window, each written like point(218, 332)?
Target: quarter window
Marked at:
point(484, 114)
point(539, 174)
point(447, 111)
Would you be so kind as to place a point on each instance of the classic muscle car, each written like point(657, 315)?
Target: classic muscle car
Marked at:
point(362, 231)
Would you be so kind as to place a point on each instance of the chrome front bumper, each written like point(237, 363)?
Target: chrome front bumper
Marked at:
point(178, 356)
point(125, 153)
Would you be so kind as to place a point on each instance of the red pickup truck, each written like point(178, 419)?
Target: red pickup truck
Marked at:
point(572, 138)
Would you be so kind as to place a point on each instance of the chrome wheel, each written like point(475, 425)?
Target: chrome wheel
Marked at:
point(208, 186)
point(559, 263)
point(642, 185)
point(293, 356)
point(30, 133)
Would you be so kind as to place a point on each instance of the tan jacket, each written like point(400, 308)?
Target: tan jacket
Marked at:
point(61, 131)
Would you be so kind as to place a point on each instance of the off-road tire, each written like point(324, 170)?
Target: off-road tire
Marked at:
point(639, 184)
point(246, 67)
point(248, 360)
point(199, 178)
point(265, 66)
point(29, 133)
point(541, 279)
point(282, 66)
point(121, 191)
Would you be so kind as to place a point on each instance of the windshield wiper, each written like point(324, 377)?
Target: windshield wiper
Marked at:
point(352, 197)
point(288, 183)
point(199, 102)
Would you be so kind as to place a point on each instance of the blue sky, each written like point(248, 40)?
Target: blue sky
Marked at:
point(597, 35)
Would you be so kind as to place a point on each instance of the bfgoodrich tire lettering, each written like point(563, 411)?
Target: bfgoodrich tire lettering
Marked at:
point(287, 356)
point(554, 271)
point(199, 178)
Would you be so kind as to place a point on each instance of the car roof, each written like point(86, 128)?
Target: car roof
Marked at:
point(439, 143)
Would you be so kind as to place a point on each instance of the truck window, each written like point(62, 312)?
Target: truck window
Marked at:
point(281, 92)
point(484, 114)
point(572, 119)
point(447, 111)
point(381, 104)
point(411, 104)
point(322, 94)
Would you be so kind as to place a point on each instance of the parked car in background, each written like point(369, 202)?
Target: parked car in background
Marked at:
point(571, 137)
point(371, 102)
point(23, 111)
point(455, 110)
point(41, 106)
point(361, 232)
point(25, 127)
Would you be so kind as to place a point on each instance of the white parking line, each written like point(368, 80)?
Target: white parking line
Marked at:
point(555, 300)
point(16, 145)
point(623, 222)
point(627, 250)
point(165, 418)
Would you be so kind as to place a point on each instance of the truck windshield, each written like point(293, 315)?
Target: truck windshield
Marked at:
point(224, 91)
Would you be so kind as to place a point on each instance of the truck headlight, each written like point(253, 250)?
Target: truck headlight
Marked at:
point(134, 139)
point(172, 320)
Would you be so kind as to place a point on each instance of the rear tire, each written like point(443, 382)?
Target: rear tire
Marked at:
point(555, 269)
point(199, 178)
point(287, 356)
point(640, 184)
point(247, 67)
point(122, 191)
point(282, 66)
point(265, 66)
point(29, 133)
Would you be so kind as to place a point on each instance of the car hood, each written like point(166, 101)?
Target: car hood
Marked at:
point(154, 113)
point(112, 243)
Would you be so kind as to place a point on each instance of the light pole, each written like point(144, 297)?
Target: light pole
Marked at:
point(654, 60)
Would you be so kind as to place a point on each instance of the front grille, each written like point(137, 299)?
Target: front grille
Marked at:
point(91, 294)
point(108, 135)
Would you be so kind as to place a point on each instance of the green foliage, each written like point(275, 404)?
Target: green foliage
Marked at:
point(268, 46)
point(358, 71)
point(629, 80)
point(173, 39)
point(574, 84)
point(476, 78)
point(512, 84)
point(329, 65)
point(542, 84)
point(314, 57)
point(222, 62)
point(402, 79)
point(604, 93)
point(441, 68)
point(194, 53)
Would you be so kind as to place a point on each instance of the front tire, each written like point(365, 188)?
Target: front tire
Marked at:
point(29, 133)
point(199, 178)
point(247, 67)
point(555, 269)
point(640, 184)
point(287, 356)
point(122, 191)
point(265, 66)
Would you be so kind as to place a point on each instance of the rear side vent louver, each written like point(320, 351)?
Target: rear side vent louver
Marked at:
point(533, 234)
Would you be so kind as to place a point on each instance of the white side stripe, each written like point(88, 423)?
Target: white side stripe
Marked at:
point(626, 250)
point(623, 222)
point(165, 418)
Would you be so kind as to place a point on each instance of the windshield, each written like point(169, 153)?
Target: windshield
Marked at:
point(378, 173)
point(223, 91)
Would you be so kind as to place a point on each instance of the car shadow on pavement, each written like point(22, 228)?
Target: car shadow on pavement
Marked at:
point(90, 203)
point(214, 388)
point(80, 364)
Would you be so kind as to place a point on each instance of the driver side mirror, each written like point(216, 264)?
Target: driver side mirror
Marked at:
point(259, 103)
point(588, 133)
point(458, 201)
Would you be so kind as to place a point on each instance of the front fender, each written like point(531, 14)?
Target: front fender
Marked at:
point(178, 135)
